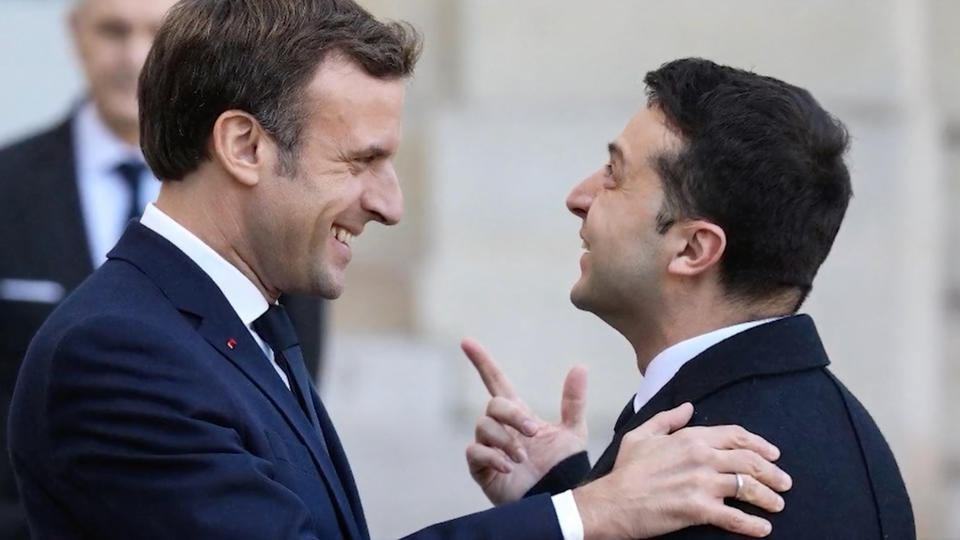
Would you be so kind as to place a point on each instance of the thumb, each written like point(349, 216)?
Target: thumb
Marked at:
point(666, 422)
point(573, 402)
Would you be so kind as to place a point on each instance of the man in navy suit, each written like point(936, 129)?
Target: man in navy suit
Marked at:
point(702, 237)
point(167, 396)
point(67, 194)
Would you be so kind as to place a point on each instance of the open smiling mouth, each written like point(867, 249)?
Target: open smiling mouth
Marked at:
point(343, 236)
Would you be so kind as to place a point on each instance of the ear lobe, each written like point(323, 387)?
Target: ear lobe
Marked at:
point(238, 145)
point(704, 245)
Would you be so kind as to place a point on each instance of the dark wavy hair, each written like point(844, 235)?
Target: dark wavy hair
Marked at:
point(761, 159)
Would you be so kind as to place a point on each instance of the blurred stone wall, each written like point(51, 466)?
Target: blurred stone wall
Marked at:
point(514, 103)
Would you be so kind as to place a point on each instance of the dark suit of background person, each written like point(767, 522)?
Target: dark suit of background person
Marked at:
point(138, 349)
point(773, 380)
point(45, 253)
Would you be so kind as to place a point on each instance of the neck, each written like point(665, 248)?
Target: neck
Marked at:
point(217, 224)
point(125, 129)
point(671, 326)
point(128, 133)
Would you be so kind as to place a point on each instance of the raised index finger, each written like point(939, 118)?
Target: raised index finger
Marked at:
point(494, 379)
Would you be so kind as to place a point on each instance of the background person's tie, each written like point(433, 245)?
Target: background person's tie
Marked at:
point(276, 329)
point(131, 171)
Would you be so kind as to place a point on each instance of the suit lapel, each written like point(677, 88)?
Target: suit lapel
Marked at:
point(663, 400)
point(339, 458)
point(783, 346)
point(58, 211)
point(248, 357)
point(191, 290)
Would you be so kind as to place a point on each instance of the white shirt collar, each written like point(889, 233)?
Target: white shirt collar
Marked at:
point(241, 293)
point(666, 364)
point(98, 149)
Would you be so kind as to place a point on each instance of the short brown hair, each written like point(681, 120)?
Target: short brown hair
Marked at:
point(257, 56)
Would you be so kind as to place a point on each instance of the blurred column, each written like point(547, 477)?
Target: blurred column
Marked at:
point(921, 223)
point(945, 17)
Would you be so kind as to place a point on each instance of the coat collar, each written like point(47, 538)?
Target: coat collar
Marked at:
point(784, 346)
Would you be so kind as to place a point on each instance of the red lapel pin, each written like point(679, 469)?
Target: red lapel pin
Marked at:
point(231, 343)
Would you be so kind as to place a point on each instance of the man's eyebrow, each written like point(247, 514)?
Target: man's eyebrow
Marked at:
point(372, 152)
point(616, 153)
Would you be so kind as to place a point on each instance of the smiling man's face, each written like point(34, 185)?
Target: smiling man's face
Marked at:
point(304, 223)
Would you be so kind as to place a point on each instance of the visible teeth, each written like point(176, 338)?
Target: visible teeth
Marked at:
point(343, 235)
point(584, 245)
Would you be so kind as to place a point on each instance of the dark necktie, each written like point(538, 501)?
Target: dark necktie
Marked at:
point(131, 171)
point(276, 329)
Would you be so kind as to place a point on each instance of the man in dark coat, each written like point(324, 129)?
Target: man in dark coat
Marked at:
point(702, 237)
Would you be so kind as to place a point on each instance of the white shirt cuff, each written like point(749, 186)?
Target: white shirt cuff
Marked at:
point(571, 526)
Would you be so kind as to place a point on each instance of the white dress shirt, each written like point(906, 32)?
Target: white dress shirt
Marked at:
point(104, 195)
point(666, 364)
point(244, 297)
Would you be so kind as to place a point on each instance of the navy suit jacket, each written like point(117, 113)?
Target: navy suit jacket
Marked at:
point(144, 409)
point(773, 380)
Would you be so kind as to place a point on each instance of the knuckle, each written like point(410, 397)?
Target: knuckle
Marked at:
point(756, 466)
point(483, 429)
point(700, 453)
point(472, 453)
point(686, 435)
point(699, 480)
point(739, 436)
point(750, 490)
point(737, 522)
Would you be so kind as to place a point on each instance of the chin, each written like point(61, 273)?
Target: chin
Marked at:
point(327, 286)
point(579, 298)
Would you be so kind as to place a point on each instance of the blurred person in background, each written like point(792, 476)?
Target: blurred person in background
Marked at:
point(702, 237)
point(66, 196)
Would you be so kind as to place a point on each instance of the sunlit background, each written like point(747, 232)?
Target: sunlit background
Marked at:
point(514, 102)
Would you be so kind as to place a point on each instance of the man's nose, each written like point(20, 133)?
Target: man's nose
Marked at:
point(581, 197)
point(383, 197)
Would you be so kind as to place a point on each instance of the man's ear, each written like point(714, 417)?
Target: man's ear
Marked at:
point(240, 145)
point(701, 244)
